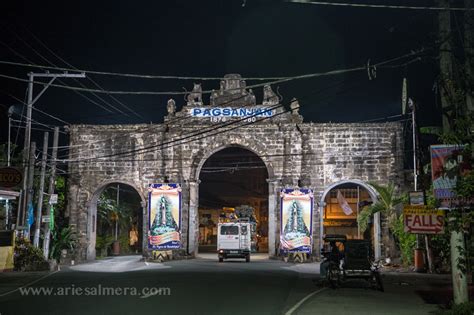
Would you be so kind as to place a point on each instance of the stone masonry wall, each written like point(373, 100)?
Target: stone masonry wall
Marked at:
point(317, 155)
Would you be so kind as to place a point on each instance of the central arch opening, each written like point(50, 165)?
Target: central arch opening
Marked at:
point(233, 184)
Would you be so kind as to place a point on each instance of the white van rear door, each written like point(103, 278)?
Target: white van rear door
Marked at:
point(229, 236)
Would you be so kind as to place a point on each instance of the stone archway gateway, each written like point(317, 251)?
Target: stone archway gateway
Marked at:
point(92, 216)
point(295, 153)
point(323, 207)
point(237, 176)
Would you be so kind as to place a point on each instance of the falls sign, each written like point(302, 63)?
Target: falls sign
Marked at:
point(423, 220)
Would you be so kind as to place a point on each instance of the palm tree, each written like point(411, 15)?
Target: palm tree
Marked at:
point(387, 203)
point(113, 214)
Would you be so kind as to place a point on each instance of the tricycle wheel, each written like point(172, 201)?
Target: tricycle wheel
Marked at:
point(378, 278)
point(333, 276)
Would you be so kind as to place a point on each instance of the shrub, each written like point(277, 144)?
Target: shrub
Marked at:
point(62, 239)
point(459, 309)
point(27, 257)
point(102, 244)
point(406, 241)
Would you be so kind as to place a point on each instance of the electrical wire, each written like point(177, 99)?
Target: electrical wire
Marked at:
point(186, 139)
point(324, 89)
point(62, 81)
point(212, 128)
point(282, 80)
point(382, 63)
point(34, 108)
point(379, 6)
point(88, 77)
point(139, 76)
point(77, 92)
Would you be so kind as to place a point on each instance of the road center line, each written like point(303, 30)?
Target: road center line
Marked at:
point(295, 307)
point(28, 284)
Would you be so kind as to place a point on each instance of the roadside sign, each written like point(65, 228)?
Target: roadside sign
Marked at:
point(45, 219)
point(53, 199)
point(423, 220)
point(417, 198)
point(10, 177)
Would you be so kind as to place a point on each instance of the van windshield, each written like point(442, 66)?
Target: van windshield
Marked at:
point(229, 230)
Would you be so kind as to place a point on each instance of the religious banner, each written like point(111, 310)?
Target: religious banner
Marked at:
point(164, 216)
point(296, 227)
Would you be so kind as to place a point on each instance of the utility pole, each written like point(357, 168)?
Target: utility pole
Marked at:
point(30, 103)
point(7, 202)
point(457, 244)
point(445, 61)
point(29, 193)
point(469, 53)
point(41, 191)
point(419, 262)
point(50, 192)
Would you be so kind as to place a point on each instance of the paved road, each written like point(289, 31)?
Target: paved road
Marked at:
point(200, 286)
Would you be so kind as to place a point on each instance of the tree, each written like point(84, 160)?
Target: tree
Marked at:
point(386, 204)
point(112, 214)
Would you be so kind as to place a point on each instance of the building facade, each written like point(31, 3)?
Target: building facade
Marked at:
point(319, 156)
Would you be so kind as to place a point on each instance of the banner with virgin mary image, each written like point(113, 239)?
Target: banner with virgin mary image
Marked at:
point(296, 226)
point(164, 216)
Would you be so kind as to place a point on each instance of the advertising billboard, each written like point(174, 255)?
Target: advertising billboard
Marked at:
point(447, 165)
point(295, 217)
point(164, 216)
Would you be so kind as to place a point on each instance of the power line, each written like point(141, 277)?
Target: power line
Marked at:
point(175, 120)
point(324, 89)
point(191, 135)
point(89, 78)
point(303, 164)
point(379, 6)
point(52, 64)
point(140, 76)
point(171, 121)
point(34, 108)
point(75, 88)
point(189, 138)
point(43, 68)
point(282, 80)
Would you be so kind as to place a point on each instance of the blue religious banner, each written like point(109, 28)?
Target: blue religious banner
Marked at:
point(164, 216)
point(296, 224)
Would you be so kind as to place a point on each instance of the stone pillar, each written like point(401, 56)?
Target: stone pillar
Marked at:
point(273, 223)
point(377, 236)
point(193, 221)
point(288, 170)
point(144, 229)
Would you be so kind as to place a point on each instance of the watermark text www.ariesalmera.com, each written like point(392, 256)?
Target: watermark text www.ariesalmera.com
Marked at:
point(98, 290)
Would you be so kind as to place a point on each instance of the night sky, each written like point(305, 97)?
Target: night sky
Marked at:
point(212, 38)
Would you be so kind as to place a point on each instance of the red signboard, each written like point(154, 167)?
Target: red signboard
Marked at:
point(10, 177)
point(423, 220)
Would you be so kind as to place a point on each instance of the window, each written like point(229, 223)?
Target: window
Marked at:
point(229, 230)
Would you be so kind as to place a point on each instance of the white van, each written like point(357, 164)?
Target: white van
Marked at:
point(233, 240)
